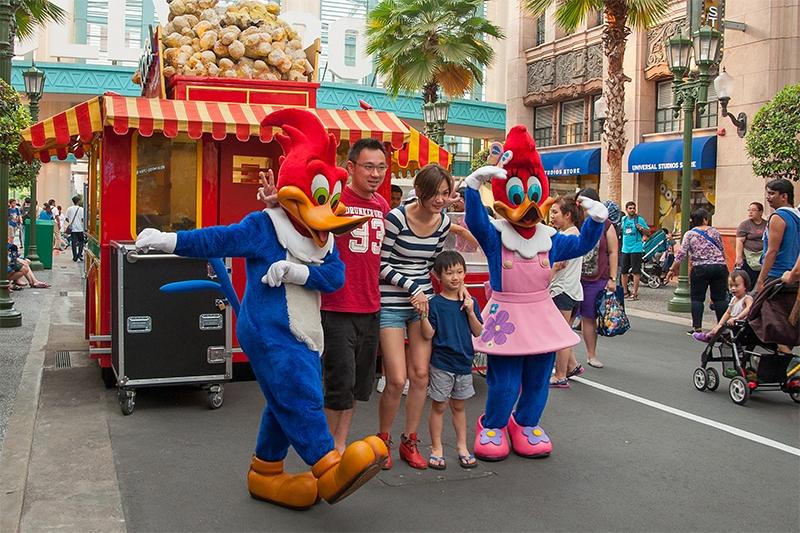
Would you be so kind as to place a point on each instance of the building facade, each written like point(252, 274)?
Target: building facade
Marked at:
point(555, 78)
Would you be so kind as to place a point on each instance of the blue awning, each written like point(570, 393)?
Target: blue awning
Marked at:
point(663, 156)
point(571, 162)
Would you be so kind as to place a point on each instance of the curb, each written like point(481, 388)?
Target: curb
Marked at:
point(18, 443)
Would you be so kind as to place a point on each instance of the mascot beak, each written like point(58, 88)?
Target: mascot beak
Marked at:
point(318, 220)
point(526, 215)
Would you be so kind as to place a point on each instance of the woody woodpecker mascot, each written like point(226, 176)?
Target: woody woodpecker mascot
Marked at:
point(522, 326)
point(290, 259)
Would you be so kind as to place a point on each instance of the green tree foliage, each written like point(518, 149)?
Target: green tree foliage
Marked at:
point(479, 159)
point(430, 44)
point(773, 137)
point(14, 118)
point(35, 13)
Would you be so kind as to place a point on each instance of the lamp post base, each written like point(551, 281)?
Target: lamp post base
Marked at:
point(681, 301)
point(36, 265)
point(9, 317)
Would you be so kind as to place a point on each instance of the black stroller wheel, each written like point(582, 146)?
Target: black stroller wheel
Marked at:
point(700, 379)
point(795, 395)
point(712, 379)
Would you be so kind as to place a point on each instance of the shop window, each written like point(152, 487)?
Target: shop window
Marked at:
point(350, 37)
point(569, 185)
point(540, 30)
point(571, 126)
point(668, 196)
point(166, 181)
point(708, 118)
point(543, 125)
point(597, 123)
point(595, 19)
point(664, 118)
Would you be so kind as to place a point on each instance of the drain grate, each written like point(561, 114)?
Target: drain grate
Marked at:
point(63, 359)
point(63, 293)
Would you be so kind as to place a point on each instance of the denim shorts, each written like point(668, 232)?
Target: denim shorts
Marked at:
point(398, 318)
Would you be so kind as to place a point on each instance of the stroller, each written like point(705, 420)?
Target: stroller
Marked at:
point(653, 255)
point(750, 363)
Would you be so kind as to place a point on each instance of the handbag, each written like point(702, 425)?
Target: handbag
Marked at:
point(753, 259)
point(611, 317)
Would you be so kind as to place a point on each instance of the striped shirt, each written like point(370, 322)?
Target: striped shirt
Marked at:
point(406, 259)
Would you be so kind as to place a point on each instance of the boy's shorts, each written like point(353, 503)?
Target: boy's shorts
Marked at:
point(443, 385)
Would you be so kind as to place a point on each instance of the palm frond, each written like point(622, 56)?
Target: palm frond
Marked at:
point(646, 13)
point(33, 14)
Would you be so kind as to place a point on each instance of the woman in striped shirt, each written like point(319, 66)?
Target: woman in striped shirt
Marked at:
point(415, 234)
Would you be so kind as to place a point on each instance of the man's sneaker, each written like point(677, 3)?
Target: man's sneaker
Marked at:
point(409, 452)
point(387, 439)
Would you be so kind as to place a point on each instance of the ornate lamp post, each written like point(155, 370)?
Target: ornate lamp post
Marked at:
point(689, 94)
point(34, 86)
point(9, 317)
point(430, 119)
point(441, 110)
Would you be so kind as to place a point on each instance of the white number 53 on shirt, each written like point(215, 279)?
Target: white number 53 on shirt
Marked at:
point(360, 241)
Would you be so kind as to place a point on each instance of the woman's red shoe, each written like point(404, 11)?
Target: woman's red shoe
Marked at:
point(409, 452)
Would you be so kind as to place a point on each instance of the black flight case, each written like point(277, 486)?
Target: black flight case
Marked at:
point(166, 338)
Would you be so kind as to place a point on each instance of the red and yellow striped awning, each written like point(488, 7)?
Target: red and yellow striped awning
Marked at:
point(418, 152)
point(73, 129)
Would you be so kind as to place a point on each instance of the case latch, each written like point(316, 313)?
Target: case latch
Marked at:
point(139, 324)
point(211, 321)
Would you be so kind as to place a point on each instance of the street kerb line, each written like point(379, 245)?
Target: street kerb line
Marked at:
point(695, 418)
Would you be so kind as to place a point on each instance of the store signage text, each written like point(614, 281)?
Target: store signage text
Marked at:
point(564, 172)
point(655, 167)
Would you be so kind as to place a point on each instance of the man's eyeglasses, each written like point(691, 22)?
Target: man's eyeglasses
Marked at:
point(372, 168)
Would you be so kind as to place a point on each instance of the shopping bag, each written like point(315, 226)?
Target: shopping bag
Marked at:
point(611, 317)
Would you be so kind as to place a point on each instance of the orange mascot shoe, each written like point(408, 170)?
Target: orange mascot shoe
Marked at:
point(339, 475)
point(267, 481)
point(379, 447)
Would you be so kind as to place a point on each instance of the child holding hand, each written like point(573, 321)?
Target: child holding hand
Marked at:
point(738, 284)
point(450, 323)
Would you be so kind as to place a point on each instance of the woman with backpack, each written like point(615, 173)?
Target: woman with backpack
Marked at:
point(703, 245)
point(599, 273)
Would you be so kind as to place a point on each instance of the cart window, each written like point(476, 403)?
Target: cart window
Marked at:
point(166, 183)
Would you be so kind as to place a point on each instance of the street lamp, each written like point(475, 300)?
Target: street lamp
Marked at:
point(440, 111)
point(689, 94)
point(430, 118)
point(34, 86)
point(9, 317)
point(723, 85)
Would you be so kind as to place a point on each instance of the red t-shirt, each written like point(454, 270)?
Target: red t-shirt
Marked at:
point(360, 251)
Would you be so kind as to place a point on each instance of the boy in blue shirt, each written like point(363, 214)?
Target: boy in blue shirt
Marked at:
point(450, 323)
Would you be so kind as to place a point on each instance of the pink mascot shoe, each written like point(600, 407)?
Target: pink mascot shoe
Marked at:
point(528, 441)
point(490, 444)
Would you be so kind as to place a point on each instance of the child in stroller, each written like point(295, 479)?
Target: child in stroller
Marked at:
point(748, 361)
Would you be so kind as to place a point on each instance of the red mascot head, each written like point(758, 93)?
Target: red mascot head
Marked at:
point(522, 198)
point(309, 182)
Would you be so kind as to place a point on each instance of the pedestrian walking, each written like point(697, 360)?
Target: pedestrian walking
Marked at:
point(750, 242)
point(76, 228)
point(450, 325)
point(782, 237)
point(415, 235)
point(703, 245)
point(634, 229)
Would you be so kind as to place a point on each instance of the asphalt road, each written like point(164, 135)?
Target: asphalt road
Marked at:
point(619, 464)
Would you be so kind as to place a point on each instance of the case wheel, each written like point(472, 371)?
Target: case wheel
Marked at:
point(215, 397)
point(712, 379)
point(700, 379)
point(127, 401)
point(109, 379)
point(739, 390)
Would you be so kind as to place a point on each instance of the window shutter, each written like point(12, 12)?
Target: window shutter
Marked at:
point(544, 117)
point(572, 112)
point(664, 96)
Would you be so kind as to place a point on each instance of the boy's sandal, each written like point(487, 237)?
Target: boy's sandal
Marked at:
point(437, 462)
point(467, 461)
point(41, 285)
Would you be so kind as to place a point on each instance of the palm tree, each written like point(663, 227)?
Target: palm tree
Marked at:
point(31, 14)
point(618, 13)
point(430, 44)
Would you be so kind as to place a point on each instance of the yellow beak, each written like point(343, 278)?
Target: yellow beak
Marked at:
point(318, 220)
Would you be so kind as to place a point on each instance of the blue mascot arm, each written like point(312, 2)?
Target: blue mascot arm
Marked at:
point(478, 223)
point(237, 240)
point(327, 277)
point(572, 246)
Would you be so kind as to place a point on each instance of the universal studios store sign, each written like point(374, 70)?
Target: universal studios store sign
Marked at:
point(309, 26)
point(660, 167)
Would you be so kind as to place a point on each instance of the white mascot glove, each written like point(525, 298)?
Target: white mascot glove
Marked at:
point(484, 174)
point(594, 209)
point(285, 272)
point(158, 241)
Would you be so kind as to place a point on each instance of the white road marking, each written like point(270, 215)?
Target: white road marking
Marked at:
point(695, 418)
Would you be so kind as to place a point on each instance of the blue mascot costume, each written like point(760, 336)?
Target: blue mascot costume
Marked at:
point(522, 326)
point(290, 259)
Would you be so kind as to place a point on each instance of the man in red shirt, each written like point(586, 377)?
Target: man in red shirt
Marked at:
point(350, 316)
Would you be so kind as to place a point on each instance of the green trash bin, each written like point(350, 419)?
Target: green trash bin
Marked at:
point(44, 241)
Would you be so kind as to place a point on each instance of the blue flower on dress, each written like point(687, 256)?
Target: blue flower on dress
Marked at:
point(491, 436)
point(497, 328)
point(536, 435)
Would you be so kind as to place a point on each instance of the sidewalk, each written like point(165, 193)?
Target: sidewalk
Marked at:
point(57, 466)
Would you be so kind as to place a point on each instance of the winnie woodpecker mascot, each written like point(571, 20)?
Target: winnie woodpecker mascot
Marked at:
point(290, 259)
point(522, 326)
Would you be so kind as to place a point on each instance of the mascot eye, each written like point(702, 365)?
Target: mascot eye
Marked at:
point(514, 191)
point(534, 189)
point(337, 194)
point(319, 189)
